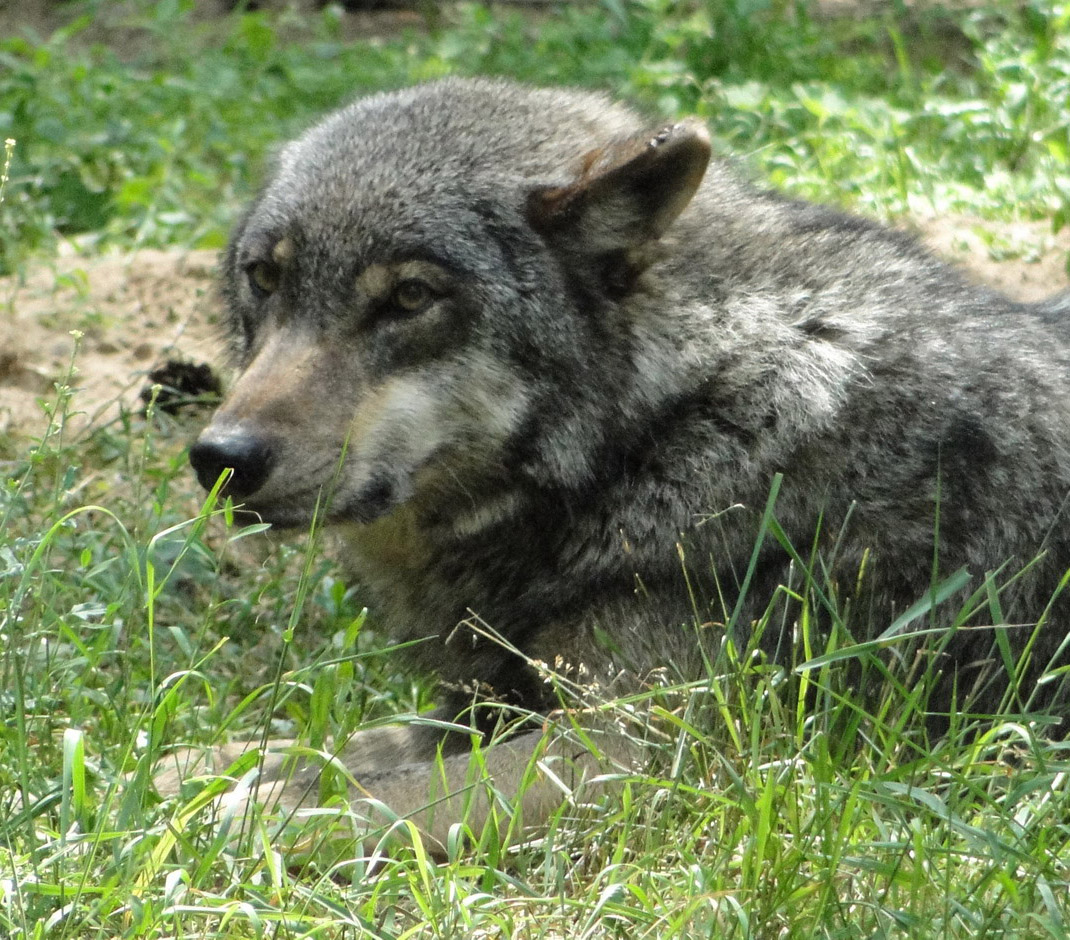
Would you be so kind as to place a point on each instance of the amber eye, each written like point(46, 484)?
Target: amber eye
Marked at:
point(412, 296)
point(264, 278)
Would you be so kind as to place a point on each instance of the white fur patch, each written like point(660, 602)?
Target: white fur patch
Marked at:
point(486, 514)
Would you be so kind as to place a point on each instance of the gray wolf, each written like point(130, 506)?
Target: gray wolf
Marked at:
point(540, 361)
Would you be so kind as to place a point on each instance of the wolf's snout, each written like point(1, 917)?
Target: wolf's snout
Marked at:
point(235, 448)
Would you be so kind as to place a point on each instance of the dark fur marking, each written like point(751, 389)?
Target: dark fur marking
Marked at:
point(819, 329)
point(968, 444)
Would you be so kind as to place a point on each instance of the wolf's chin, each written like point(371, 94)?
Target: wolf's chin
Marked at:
point(375, 500)
point(278, 517)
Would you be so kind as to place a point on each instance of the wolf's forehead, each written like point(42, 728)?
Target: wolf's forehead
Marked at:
point(370, 218)
point(339, 176)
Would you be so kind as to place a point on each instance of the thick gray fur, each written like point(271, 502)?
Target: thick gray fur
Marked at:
point(606, 376)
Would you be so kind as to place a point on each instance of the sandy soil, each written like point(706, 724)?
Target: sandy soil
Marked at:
point(138, 312)
point(133, 313)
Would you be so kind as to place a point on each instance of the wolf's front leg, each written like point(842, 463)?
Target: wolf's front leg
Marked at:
point(408, 772)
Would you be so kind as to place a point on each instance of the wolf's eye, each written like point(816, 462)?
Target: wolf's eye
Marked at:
point(412, 296)
point(263, 278)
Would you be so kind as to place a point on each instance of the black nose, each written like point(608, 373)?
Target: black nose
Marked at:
point(233, 448)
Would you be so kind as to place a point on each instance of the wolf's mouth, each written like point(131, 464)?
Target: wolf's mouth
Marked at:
point(298, 509)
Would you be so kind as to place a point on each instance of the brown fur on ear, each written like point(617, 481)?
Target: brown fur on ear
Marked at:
point(629, 191)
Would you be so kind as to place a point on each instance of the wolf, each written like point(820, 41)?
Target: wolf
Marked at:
point(541, 363)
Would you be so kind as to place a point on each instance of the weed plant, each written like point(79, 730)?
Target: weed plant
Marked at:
point(807, 800)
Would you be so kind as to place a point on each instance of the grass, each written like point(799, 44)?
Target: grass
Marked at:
point(134, 617)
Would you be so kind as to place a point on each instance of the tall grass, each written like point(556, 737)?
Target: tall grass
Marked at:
point(135, 616)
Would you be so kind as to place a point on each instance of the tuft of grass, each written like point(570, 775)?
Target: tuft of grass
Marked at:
point(9, 150)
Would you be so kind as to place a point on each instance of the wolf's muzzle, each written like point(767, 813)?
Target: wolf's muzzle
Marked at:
point(248, 455)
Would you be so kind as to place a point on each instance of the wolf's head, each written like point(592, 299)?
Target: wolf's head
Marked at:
point(436, 292)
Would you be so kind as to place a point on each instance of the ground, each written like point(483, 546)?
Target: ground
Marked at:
point(133, 313)
point(139, 312)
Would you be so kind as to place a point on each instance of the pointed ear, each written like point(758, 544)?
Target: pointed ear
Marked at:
point(626, 193)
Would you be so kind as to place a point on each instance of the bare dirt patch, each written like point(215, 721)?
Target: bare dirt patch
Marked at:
point(116, 318)
point(1024, 260)
point(140, 312)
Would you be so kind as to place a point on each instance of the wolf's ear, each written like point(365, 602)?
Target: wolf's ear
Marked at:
point(626, 193)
